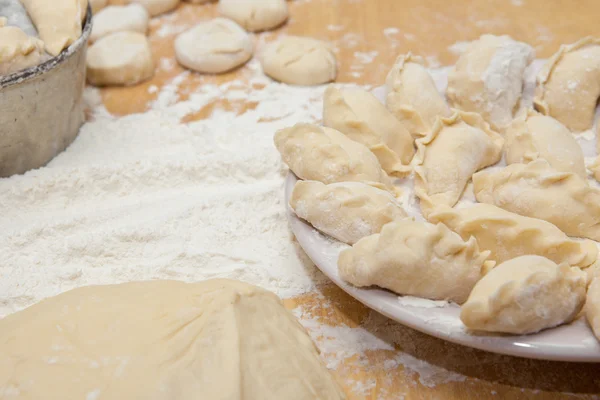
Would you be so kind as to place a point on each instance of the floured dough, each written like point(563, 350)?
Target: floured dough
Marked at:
point(58, 21)
point(413, 97)
point(122, 58)
point(326, 155)
point(255, 15)
point(129, 18)
point(592, 305)
point(537, 190)
point(346, 211)
point(448, 156)
point(488, 78)
point(157, 7)
point(525, 295)
point(508, 235)
point(161, 340)
point(17, 50)
point(214, 46)
point(531, 136)
point(415, 258)
point(360, 115)
point(568, 86)
point(299, 61)
point(98, 5)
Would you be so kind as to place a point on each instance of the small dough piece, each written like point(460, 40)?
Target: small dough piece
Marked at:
point(98, 5)
point(537, 190)
point(525, 295)
point(447, 157)
point(129, 18)
point(592, 306)
point(360, 116)
point(122, 58)
point(568, 86)
point(416, 259)
point(488, 78)
point(531, 136)
point(346, 211)
point(58, 21)
point(508, 235)
point(214, 46)
point(17, 50)
point(299, 61)
point(326, 155)
point(413, 97)
point(161, 340)
point(255, 15)
point(157, 7)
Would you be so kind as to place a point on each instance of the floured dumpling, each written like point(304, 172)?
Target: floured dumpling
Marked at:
point(323, 154)
point(537, 190)
point(18, 50)
point(525, 295)
point(447, 157)
point(508, 235)
point(346, 211)
point(413, 97)
point(360, 116)
point(531, 136)
point(488, 78)
point(415, 258)
point(568, 86)
point(592, 306)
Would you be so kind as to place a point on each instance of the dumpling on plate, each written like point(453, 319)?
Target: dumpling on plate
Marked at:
point(346, 211)
point(592, 305)
point(525, 295)
point(416, 258)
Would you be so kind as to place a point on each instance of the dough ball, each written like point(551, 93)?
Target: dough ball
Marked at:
point(214, 46)
point(199, 1)
point(130, 18)
point(299, 61)
point(161, 340)
point(157, 7)
point(255, 15)
point(17, 50)
point(98, 5)
point(122, 58)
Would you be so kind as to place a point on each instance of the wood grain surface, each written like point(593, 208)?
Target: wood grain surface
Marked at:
point(382, 29)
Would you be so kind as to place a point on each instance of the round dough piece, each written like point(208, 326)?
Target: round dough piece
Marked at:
point(122, 58)
point(98, 5)
point(255, 15)
point(157, 7)
point(214, 46)
point(17, 50)
point(129, 18)
point(299, 61)
point(161, 340)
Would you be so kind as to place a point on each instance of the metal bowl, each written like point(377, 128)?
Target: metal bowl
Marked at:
point(41, 108)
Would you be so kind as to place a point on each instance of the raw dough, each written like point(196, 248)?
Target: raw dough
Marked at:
point(568, 86)
point(129, 18)
point(447, 157)
point(417, 259)
point(346, 211)
point(122, 58)
point(537, 190)
point(199, 1)
point(214, 46)
point(326, 155)
point(161, 340)
point(17, 50)
point(508, 235)
point(157, 7)
point(531, 136)
point(299, 61)
point(592, 306)
point(488, 78)
point(413, 97)
point(255, 15)
point(58, 21)
point(525, 295)
point(98, 5)
point(360, 116)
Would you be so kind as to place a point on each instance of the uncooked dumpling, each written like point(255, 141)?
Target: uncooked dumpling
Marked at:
point(161, 340)
point(255, 15)
point(413, 97)
point(360, 116)
point(537, 190)
point(415, 258)
point(508, 235)
point(326, 155)
point(592, 306)
point(129, 18)
point(488, 78)
point(568, 86)
point(346, 211)
point(525, 295)
point(17, 50)
point(157, 7)
point(447, 157)
point(531, 136)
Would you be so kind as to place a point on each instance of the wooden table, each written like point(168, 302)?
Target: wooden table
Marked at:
point(388, 28)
